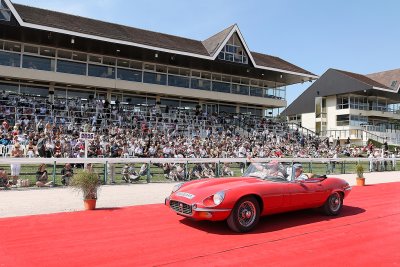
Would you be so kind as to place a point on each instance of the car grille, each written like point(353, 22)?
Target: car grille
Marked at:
point(181, 207)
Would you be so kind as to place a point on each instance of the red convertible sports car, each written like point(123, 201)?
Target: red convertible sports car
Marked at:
point(264, 189)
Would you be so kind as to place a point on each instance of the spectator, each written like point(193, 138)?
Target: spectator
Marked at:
point(42, 177)
point(66, 173)
point(16, 152)
point(4, 183)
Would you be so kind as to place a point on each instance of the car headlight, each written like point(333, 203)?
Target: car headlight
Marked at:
point(176, 187)
point(218, 197)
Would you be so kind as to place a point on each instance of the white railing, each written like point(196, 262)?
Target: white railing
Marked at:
point(32, 161)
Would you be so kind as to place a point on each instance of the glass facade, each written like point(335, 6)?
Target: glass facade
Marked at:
point(38, 63)
point(155, 78)
point(129, 75)
point(71, 67)
point(178, 81)
point(351, 120)
point(34, 90)
point(101, 71)
point(78, 63)
point(10, 59)
point(221, 87)
point(200, 84)
point(366, 103)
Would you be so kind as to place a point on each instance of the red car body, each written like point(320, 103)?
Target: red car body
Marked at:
point(194, 199)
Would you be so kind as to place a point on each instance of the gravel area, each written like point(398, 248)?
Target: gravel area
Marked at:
point(20, 202)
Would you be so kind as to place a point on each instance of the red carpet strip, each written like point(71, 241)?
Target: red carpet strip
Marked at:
point(367, 233)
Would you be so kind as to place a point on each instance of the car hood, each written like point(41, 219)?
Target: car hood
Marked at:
point(206, 187)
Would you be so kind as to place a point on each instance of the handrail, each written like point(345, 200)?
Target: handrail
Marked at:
point(183, 160)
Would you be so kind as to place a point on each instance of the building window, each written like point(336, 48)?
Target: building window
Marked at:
point(342, 102)
point(38, 63)
point(34, 90)
point(10, 88)
point(234, 51)
point(71, 67)
point(10, 59)
point(101, 71)
point(221, 87)
point(342, 120)
point(178, 81)
point(5, 12)
point(227, 109)
point(200, 84)
point(129, 75)
point(154, 78)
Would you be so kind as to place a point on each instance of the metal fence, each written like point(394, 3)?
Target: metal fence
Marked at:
point(110, 169)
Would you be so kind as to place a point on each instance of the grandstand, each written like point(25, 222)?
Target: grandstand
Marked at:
point(60, 58)
point(144, 95)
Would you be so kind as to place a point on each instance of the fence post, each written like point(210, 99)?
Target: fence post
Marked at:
point(54, 172)
point(187, 171)
point(344, 167)
point(105, 172)
point(327, 167)
point(217, 169)
point(148, 172)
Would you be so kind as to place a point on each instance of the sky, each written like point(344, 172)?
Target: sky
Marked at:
point(360, 36)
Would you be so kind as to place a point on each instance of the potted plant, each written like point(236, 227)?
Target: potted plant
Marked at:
point(88, 183)
point(360, 175)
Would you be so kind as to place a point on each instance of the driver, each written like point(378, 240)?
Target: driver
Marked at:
point(271, 169)
point(298, 172)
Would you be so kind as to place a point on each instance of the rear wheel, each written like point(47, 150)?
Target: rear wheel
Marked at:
point(245, 215)
point(333, 204)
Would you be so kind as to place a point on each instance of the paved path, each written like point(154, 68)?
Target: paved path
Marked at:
point(53, 200)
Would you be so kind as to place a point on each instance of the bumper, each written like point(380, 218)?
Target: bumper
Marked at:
point(199, 212)
point(347, 191)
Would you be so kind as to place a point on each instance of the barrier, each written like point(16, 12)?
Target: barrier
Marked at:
point(109, 169)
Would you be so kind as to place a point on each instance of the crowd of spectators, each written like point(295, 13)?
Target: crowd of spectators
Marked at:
point(40, 130)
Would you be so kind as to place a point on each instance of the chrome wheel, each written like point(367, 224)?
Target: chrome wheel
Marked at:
point(334, 202)
point(246, 213)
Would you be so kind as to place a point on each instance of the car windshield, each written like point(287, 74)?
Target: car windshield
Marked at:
point(273, 171)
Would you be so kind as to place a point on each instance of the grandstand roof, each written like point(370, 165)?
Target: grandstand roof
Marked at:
point(38, 18)
point(337, 82)
point(390, 78)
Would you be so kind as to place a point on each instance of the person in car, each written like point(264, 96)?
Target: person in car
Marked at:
point(263, 170)
point(298, 172)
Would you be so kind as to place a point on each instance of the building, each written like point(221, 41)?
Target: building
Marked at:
point(44, 53)
point(343, 105)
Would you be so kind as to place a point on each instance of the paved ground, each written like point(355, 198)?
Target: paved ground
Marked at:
point(53, 200)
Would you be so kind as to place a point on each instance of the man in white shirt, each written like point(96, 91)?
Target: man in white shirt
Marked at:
point(298, 172)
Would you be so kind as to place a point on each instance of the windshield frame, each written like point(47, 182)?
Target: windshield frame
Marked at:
point(265, 169)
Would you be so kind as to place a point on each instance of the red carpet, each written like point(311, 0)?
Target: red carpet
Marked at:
point(366, 234)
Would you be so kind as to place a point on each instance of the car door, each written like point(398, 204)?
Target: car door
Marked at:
point(272, 196)
point(303, 194)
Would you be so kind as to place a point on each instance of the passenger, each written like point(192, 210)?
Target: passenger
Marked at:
point(298, 172)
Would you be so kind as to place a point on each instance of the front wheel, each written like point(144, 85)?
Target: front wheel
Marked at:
point(333, 204)
point(245, 215)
